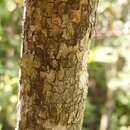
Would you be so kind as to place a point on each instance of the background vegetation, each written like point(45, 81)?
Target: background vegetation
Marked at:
point(108, 102)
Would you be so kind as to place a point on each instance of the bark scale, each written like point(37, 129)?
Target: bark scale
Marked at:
point(53, 74)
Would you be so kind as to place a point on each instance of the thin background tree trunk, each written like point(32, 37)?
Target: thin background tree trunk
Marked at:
point(53, 74)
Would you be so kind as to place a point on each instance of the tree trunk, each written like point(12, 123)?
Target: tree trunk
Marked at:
point(53, 75)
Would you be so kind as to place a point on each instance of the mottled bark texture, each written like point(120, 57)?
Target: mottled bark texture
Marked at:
point(53, 75)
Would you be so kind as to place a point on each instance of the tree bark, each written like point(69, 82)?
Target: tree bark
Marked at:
point(53, 74)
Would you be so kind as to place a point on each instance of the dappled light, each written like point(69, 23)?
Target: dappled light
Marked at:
point(108, 100)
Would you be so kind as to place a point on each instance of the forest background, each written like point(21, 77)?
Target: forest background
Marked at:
point(108, 101)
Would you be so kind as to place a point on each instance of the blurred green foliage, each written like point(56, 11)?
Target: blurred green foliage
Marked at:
point(109, 70)
point(108, 66)
point(10, 29)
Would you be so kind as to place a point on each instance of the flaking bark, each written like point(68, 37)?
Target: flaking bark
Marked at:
point(53, 74)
